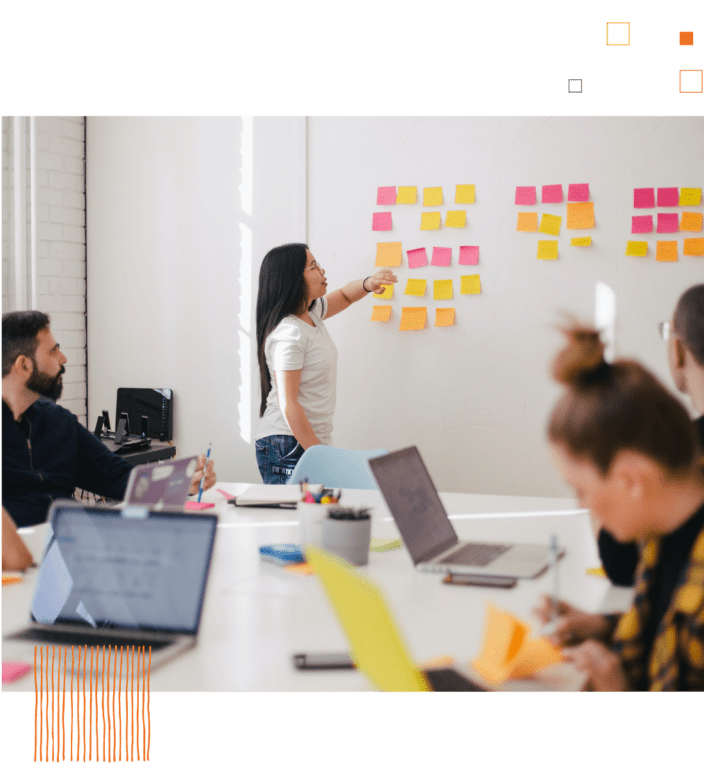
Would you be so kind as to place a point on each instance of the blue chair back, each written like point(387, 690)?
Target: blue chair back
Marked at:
point(336, 467)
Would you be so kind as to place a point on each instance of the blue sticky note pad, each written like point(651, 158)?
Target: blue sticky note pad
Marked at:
point(282, 554)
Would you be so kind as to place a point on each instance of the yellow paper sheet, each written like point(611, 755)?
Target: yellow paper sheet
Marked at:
point(415, 287)
point(581, 241)
point(666, 250)
point(691, 222)
point(388, 292)
point(550, 224)
point(534, 655)
point(442, 289)
point(690, 196)
point(432, 195)
point(378, 544)
point(637, 248)
point(527, 222)
point(693, 246)
point(464, 194)
point(430, 220)
point(547, 249)
point(381, 313)
point(389, 254)
point(580, 215)
point(406, 195)
point(470, 284)
point(456, 219)
point(444, 317)
point(413, 318)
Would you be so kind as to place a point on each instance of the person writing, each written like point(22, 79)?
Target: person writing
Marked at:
point(629, 450)
point(46, 452)
point(297, 357)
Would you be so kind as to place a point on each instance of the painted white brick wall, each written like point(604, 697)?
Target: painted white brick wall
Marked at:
point(61, 237)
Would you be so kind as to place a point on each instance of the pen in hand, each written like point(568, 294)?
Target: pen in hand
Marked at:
point(202, 479)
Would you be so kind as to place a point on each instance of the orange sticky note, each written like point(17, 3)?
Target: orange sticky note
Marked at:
point(406, 195)
point(637, 248)
point(388, 292)
point(430, 220)
point(456, 218)
point(580, 215)
point(547, 249)
point(432, 195)
point(302, 569)
point(464, 194)
point(413, 318)
point(693, 246)
point(444, 316)
point(691, 222)
point(666, 250)
point(527, 222)
point(470, 284)
point(12, 579)
point(389, 254)
point(442, 289)
point(381, 313)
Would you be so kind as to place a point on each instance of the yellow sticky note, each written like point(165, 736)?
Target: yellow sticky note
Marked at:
point(527, 222)
point(388, 292)
point(690, 196)
point(464, 194)
point(550, 224)
point(430, 220)
point(580, 215)
point(381, 313)
point(456, 218)
point(389, 254)
point(691, 222)
point(432, 195)
point(547, 249)
point(693, 246)
point(581, 241)
point(666, 250)
point(415, 287)
point(637, 248)
point(442, 289)
point(444, 316)
point(383, 545)
point(406, 195)
point(599, 571)
point(533, 655)
point(470, 284)
point(413, 318)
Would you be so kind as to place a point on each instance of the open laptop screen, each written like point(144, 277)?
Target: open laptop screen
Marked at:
point(414, 503)
point(127, 568)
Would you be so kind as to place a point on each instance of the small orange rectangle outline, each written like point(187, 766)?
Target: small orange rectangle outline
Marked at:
point(618, 22)
point(701, 72)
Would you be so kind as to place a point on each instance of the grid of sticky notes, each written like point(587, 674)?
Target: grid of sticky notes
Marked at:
point(646, 221)
point(578, 214)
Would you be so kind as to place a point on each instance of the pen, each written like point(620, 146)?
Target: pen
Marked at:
point(200, 487)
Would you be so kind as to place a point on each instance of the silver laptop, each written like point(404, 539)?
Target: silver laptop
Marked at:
point(427, 531)
point(161, 484)
point(121, 577)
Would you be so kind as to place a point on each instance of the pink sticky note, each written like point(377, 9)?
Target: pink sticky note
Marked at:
point(641, 224)
point(225, 493)
point(668, 196)
point(386, 196)
point(14, 670)
point(381, 222)
point(525, 195)
point(417, 258)
point(668, 222)
point(552, 193)
point(644, 197)
point(197, 506)
point(469, 255)
point(441, 257)
point(578, 193)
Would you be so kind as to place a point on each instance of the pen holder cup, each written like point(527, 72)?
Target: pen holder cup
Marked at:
point(310, 517)
point(348, 538)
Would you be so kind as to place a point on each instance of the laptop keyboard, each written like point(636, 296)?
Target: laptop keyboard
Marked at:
point(43, 636)
point(476, 554)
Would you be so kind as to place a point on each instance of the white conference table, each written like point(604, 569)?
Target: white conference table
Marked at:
point(257, 615)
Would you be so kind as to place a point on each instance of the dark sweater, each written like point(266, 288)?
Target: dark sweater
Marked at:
point(46, 455)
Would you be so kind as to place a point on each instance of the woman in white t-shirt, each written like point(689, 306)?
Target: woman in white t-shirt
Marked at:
point(297, 357)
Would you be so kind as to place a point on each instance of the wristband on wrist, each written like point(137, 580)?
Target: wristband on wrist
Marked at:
point(364, 284)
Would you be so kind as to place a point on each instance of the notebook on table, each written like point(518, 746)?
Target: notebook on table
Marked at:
point(428, 534)
point(121, 577)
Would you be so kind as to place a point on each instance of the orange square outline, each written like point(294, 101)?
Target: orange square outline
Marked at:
point(618, 22)
point(701, 72)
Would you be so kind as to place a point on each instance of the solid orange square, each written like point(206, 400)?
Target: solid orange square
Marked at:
point(666, 250)
point(413, 318)
point(527, 222)
point(444, 317)
point(381, 313)
point(691, 221)
point(686, 38)
point(389, 255)
point(693, 246)
point(580, 215)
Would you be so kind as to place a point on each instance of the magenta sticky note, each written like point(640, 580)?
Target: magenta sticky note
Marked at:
point(386, 196)
point(668, 196)
point(197, 506)
point(578, 193)
point(551, 193)
point(417, 258)
point(525, 195)
point(469, 255)
point(644, 197)
point(14, 670)
point(225, 493)
point(441, 257)
point(381, 222)
point(641, 224)
point(668, 222)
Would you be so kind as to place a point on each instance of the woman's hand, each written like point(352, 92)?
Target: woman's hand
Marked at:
point(603, 667)
point(379, 279)
point(572, 625)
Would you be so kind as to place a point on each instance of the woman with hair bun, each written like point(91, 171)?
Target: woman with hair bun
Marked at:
point(632, 455)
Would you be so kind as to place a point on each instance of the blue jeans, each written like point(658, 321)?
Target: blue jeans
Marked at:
point(277, 455)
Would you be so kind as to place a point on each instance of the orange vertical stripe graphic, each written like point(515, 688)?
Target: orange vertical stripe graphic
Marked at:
point(85, 654)
point(144, 685)
point(52, 703)
point(132, 709)
point(78, 706)
point(137, 718)
point(102, 697)
point(119, 704)
point(73, 669)
point(90, 708)
point(114, 670)
point(97, 677)
point(149, 701)
point(41, 698)
point(46, 682)
point(63, 708)
point(58, 707)
point(108, 691)
point(36, 703)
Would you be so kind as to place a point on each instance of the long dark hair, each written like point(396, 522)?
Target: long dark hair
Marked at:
point(282, 292)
